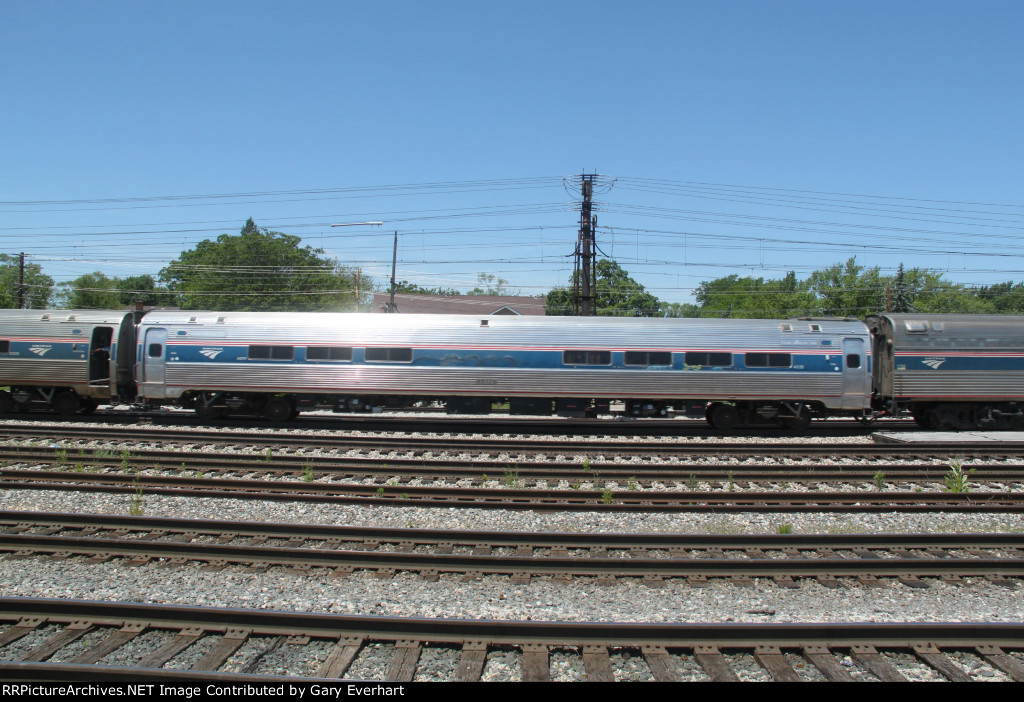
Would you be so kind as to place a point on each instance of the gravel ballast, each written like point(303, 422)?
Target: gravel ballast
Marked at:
point(494, 597)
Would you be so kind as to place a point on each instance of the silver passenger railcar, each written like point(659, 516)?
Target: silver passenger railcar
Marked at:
point(61, 360)
point(733, 371)
point(951, 371)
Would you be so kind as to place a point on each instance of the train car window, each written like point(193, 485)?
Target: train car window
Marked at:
point(648, 358)
point(156, 350)
point(271, 353)
point(5, 346)
point(708, 358)
point(768, 360)
point(329, 353)
point(400, 355)
point(587, 358)
point(853, 360)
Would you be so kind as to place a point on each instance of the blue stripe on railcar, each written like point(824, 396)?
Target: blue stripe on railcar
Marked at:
point(49, 349)
point(960, 362)
point(493, 358)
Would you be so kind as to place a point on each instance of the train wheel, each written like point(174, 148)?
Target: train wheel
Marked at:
point(66, 403)
point(89, 406)
point(278, 409)
point(723, 417)
point(6, 402)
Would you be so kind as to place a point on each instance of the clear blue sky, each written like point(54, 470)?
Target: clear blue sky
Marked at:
point(454, 123)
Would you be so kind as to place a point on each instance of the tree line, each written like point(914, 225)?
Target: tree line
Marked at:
point(263, 270)
point(850, 290)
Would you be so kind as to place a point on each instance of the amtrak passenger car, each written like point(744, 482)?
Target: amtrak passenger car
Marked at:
point(732, 371)
point(951, 371)
point(62, 360)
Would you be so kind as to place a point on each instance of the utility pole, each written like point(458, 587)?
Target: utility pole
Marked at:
point(584, 293)
point(391, 306)
point(21, 280)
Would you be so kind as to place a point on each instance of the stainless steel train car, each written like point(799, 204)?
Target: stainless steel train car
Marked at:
point(63, 360)
point(276, 364)
point(950, 371)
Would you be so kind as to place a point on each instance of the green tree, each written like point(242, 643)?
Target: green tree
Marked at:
point(930, 293)
point(1003, 298)
point(96, 290)
point(408, 288)
point(899, 300)
point(92, 291)
point(755, 298)
point(617, 295)
point(848, 290)
point(258, 270)
point(488, 284)
point(38, 286)
point(141, 288)
point(679, 309)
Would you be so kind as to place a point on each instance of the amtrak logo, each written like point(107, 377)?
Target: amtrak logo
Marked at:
point(933, 363)
point(39, 350)
point(211, 353)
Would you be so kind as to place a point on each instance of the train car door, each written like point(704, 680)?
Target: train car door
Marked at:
point(154, 363)
point(856, 388)
point(99, 355)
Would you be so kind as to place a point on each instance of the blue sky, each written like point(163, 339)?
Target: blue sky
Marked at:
point(736, 137)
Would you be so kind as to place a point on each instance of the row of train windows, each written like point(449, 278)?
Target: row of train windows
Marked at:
point(328, 353)
point(690, 358)
point(578, 357)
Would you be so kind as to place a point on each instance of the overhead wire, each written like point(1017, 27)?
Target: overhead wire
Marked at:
point(883, 236)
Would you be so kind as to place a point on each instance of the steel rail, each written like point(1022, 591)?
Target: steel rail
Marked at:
point(22, 521)
point(560, 566)
point(461, 468)
point(518, 499)
point(497, 445)
point(708, 644)
point(463, 424)
point(679, 635)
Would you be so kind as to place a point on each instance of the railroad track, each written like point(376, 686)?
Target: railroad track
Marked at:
point(404, 470)
point(494, 447)
point(55, 639)
point(562, 556)
point(439, 423)
point(515, 498)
